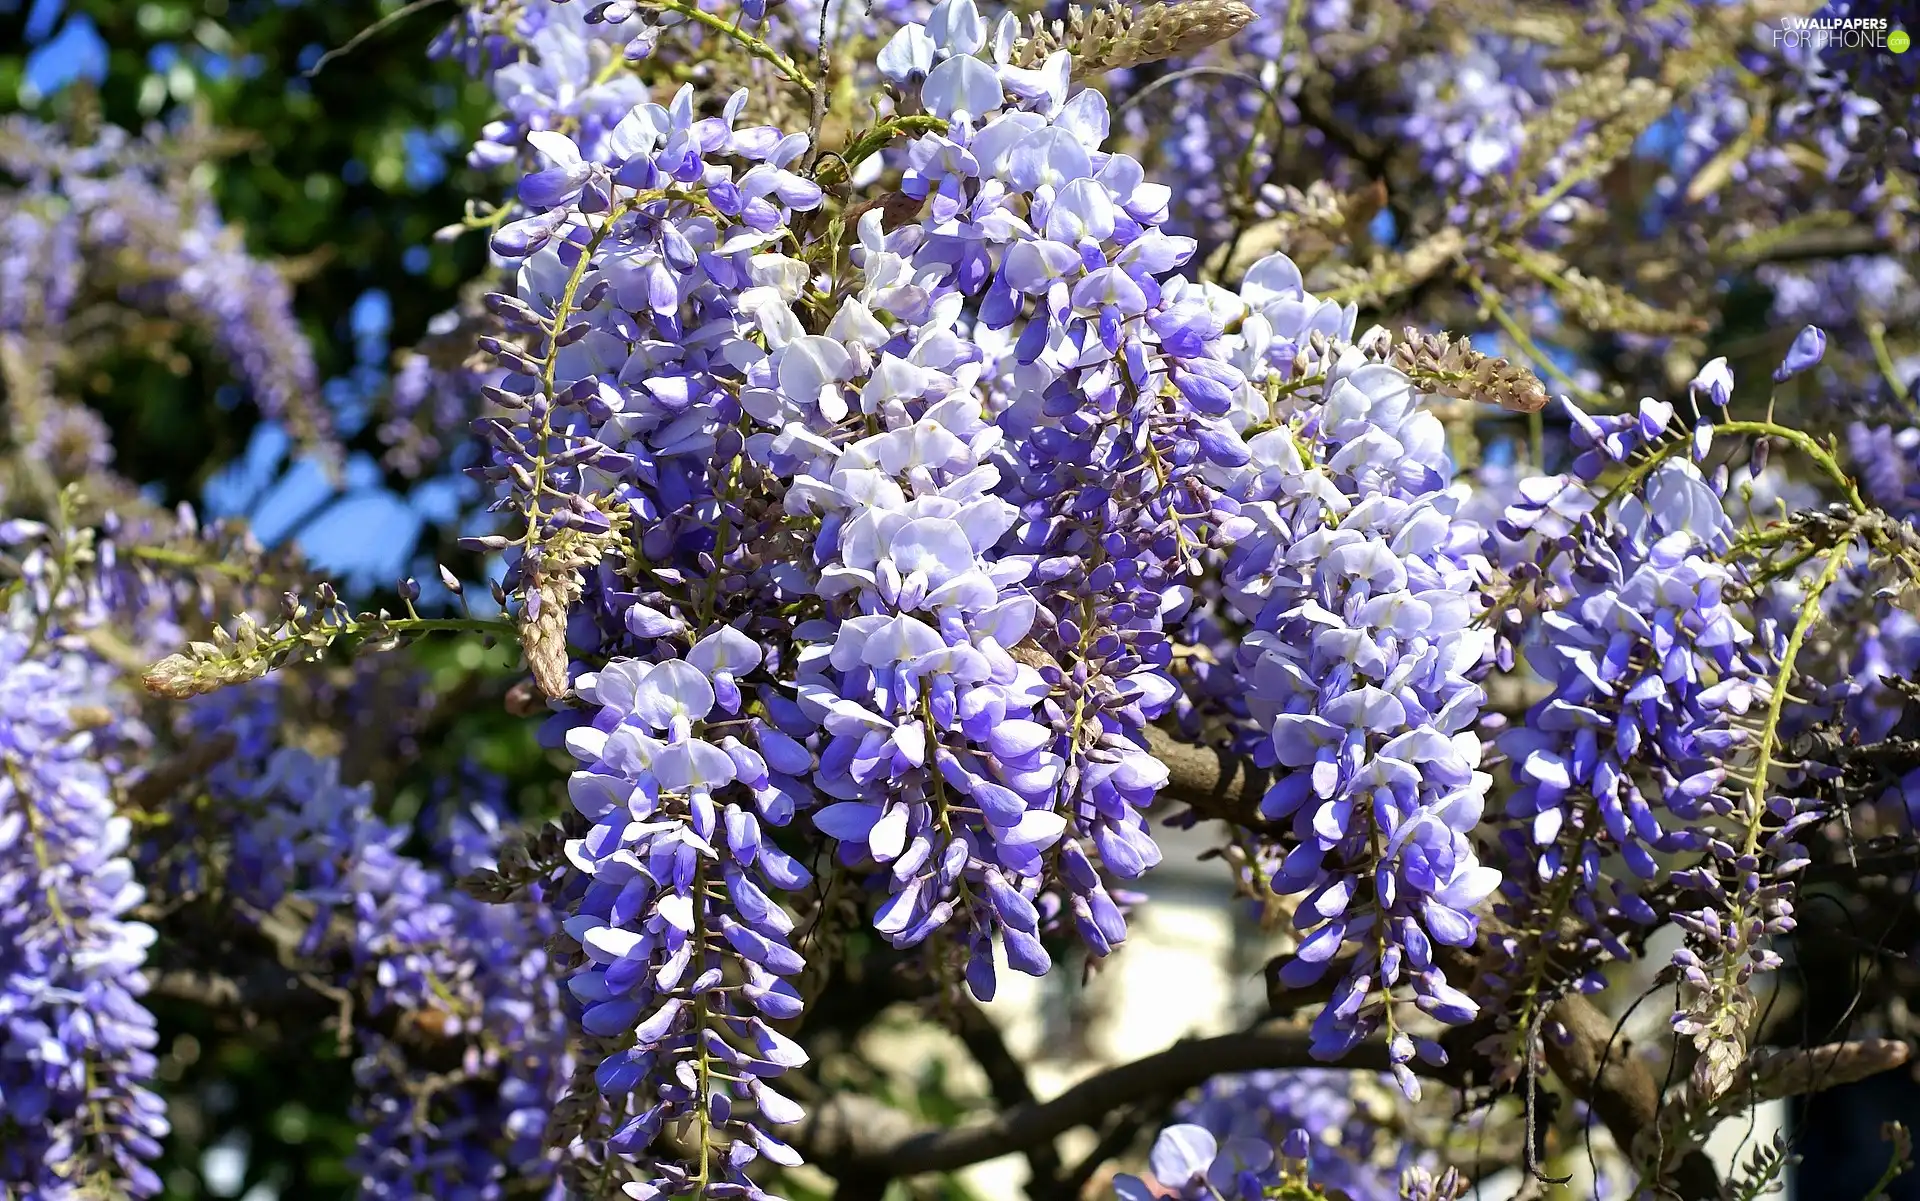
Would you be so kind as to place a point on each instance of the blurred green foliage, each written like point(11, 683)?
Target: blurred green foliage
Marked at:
point(343, 176)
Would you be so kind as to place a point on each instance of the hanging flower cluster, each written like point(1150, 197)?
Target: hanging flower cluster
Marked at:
point(682, 898)
point(639, 271)
point(878, 491)
point(1319, 1116)
point(76, 1043)
point(434, 973)
point(1360, 585)
point(127, 215)
point(916, 691)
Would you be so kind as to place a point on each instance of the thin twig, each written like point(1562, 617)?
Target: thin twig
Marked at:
point(1117, 1138)
point(820, 89)
point(751, 44)
point(353, 42)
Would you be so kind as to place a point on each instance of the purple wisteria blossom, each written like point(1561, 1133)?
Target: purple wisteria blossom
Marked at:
point(683, 886)
point(1113, 398)
point(76, 1044)
point(1651, 667)
point(683, 882)
point(1313, 1117)
point(562, 79)
point(145, 228)
point(422, 955)
point(1359, 580)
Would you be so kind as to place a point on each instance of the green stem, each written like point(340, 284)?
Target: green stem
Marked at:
point(1783, 680)
point(704, 1069)
point(872, 142)
point(710, 596)
point(562, 312)
point(1897, 1163)
point(437, 625)
point(41, 858)
point(1760, 540)
point(179, 558)
point(61, 570)
point(204, 668)
point(1821, 456)
point(1877, 335)
point(1526, 343)
point(1727, 983)
point(1275, 392)
point(752, 45)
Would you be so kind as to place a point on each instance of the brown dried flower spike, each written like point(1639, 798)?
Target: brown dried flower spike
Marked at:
point(543, 628)
point(1113, 36)
point(1438, 364)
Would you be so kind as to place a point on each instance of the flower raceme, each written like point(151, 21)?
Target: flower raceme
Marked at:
point(1653, 674)
point(641, 267)
point(476, 971)
point(1314, 1117)
point(985, 465)
point(1358, 580)
point(943, 775)
point(1190, 1163)
point(125, 212)
point(430, 968)
point(679, 901)
point(1632, 765)
point(880, 529)
point(987, 452)
point(76, 1044)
